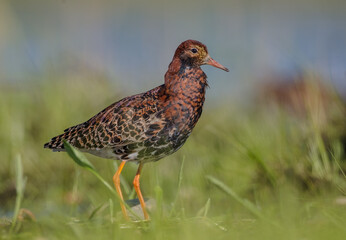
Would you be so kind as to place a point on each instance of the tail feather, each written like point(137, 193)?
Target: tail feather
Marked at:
point(57, 144)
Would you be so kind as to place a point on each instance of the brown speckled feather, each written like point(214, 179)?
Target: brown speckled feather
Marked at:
point(150, 125)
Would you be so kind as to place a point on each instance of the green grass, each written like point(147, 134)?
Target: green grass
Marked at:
point(258, 172)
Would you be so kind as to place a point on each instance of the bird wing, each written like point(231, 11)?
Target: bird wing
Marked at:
point(124, 122)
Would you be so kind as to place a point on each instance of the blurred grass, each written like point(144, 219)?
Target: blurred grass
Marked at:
point(288, 167)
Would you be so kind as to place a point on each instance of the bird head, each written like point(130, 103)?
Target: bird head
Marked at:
point(194, 54)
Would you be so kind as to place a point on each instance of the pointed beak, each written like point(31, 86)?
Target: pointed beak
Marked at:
point(214, 63)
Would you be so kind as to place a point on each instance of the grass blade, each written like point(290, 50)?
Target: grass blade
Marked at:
point(111, 210)
point(77, 156)
point(204, 210)
point(247, 204)
point(20, 186)
point(96, 210)
point(180, 180)
point(159, 201)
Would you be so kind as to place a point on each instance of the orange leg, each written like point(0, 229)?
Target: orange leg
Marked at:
point(116, 180)
point(138, 191)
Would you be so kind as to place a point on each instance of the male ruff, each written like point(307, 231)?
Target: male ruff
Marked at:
point(148, 126)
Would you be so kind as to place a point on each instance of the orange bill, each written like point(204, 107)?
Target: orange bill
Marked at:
point(214, 63)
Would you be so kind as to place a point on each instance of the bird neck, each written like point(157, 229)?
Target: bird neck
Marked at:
point(188, 80)
point(184, 95)
point(182, 76)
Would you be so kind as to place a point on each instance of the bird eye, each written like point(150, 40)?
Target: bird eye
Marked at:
point(194, 50)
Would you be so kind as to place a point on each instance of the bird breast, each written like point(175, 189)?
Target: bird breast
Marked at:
point(186, 95)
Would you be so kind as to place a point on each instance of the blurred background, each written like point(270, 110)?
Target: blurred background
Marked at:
point(273, 128)
point(132, 42)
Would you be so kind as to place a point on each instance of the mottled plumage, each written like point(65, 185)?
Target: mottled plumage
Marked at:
point(151, 125)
